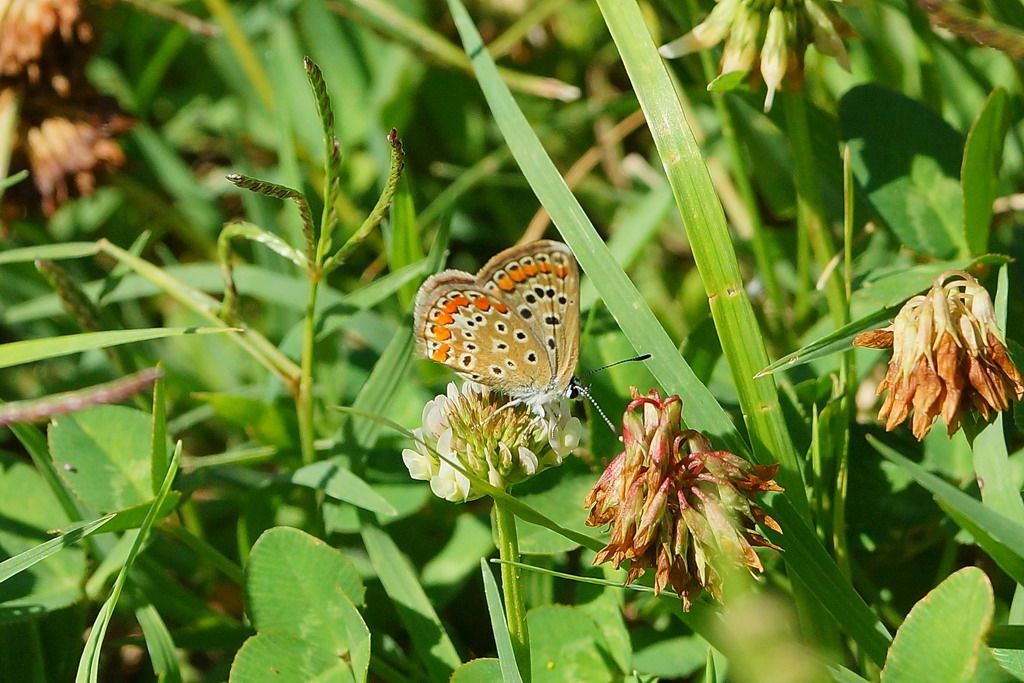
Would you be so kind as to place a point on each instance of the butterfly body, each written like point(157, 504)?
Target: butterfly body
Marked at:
point(514, 326)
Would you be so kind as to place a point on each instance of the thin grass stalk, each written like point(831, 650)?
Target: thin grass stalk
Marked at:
point(511, 586)
point(534, 15)
point(811, 219)
point(847, 375)
point(243, 50)
point(206, 307)
point(711, 242)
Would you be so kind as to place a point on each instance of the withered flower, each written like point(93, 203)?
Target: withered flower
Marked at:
point(770, 35)
point(64, 130)
point(948, 357)
point(676, 505)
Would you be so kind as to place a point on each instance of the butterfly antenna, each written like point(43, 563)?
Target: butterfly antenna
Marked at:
point(618, 362)
point(583, 390)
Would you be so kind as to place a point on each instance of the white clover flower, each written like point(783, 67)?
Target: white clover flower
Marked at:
point(485, 434)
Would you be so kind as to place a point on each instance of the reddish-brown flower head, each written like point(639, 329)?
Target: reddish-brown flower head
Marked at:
point(676, 505)
point(948, 357)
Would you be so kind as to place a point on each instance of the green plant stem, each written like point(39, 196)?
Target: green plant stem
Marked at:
point(304, 397)
point(515, 610)
point(810, 207)
point(847, 379)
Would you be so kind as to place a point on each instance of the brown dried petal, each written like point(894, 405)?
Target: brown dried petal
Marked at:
point(874, 339)
point(1002, 360)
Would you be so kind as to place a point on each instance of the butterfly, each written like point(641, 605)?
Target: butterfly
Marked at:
point(514, 326)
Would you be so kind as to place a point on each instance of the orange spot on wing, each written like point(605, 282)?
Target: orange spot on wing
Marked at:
point(505, 283)
point(500, 307)
point(561, 271)
point(441, 333)
point(450, 307)
point(516, 274)
point(461, 301)
point(441, 354)
point(530, 269)
point(444, 319)
point(545, 267)
point(482, 303)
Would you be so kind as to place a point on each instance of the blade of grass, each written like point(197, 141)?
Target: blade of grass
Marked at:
point(52, 252)
point(159, 643)
point(88, 665)
point(30, 350)
point(1002, 538)
point(398, 576)
point(502, 641)
point(22, 561)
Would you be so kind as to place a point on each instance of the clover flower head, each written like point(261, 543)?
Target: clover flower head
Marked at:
point(948, 358)
point(676, 505)
point(476, 430)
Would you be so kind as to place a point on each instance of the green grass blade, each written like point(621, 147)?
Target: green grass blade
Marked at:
point(53, 252)
point(502, 640)
point(88, 665)
point(30, 350)
point(1000, 537)
point(159, 643)
point(621, 296)
point(22, 561)
point(398, 577)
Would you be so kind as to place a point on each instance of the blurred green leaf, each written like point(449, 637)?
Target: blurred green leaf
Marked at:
point(30, 509)
point(907, 160)
point(54, 252)
point(1001, 538)
point(482, 670)
point(337, 481)
point(566, 647)
point(983, 154)
point(944, 633)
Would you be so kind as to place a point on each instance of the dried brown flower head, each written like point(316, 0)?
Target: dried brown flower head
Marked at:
point(769, 34)
point(676, 505)
point(26, 28)
point(64, 130)
point(948, 357)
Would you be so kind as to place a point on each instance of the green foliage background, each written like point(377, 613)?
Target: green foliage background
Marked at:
point(272, 557)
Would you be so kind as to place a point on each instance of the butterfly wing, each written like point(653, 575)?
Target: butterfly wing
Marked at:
point(540, 281)
point(475, 331)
